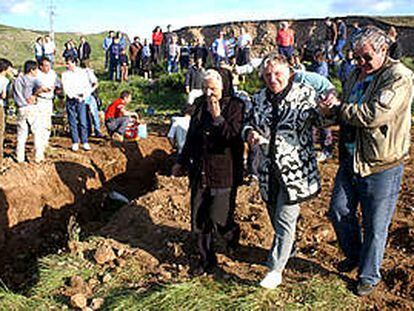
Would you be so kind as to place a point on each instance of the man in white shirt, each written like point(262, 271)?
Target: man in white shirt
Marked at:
point(77, 88)
point(5, 67)
point(49, 80)
point(49, 49)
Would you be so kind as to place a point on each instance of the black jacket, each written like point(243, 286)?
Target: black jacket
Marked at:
point(84, 51)
point(213, 151)
point(200, 51)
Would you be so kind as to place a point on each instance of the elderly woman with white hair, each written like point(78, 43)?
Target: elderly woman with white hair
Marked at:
point(281, 121)
point(211, 154)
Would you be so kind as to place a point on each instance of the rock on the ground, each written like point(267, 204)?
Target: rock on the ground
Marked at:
point(78, 286)
point(104, 254)
point(78, 301)
point(97, 303)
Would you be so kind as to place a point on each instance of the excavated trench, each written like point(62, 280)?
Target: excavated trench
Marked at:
point(36, 201)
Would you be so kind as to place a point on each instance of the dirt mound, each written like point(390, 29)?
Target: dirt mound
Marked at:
point(38, 199)
point(159, 224)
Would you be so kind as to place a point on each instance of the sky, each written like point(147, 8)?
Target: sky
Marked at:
point(138, 17)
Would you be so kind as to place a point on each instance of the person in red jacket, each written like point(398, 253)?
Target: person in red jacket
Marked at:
point(285, 40)
point(157, 37)
point(117, 117)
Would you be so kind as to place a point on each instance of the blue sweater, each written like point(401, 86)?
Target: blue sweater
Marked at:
point(319, 83)
point(320, 68)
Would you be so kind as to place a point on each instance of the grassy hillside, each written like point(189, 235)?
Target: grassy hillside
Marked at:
point(17, 44)
point(402, 21)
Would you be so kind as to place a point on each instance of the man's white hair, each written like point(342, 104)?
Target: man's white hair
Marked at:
point(212, 74)
point(374, 36)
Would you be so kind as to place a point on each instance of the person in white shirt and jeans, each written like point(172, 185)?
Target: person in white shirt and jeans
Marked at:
point(75, 82)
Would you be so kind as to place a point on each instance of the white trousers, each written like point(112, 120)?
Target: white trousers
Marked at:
point(45, 107)
point(28, 119)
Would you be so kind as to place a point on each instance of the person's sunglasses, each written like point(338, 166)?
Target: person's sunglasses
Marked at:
point(365, 57)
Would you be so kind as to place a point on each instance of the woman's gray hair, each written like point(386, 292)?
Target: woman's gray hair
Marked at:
point(274, 58)
point(212, 74)
point(374, 36)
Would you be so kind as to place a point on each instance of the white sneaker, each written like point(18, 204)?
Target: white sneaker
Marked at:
point(75, 147)
point(321, 157)
point(86, 147)
point(272, 280)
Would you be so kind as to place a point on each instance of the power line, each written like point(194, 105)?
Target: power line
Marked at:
point(52, 14)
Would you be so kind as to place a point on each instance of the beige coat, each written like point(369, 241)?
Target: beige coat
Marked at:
point(383, 121)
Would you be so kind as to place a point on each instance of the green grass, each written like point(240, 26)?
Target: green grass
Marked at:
point(206, 294)
point(403, 21)
point(252, 83)
point(124, 291)
point(54, 273)
point(409, 62)
point(17, 45)
point(166, 94)
point(55, 270)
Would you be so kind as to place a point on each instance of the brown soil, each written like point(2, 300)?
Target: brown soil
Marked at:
point(159, 224)
point(156, 225)
point(37, 199)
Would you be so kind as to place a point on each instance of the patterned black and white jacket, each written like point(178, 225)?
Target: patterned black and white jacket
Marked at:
point(287, 144)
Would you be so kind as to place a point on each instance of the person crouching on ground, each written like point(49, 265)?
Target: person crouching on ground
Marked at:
point(280, 121)
point(117, 117)
point(214, 127)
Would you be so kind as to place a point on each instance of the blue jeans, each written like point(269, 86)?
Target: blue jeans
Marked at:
point(377, 194)
point(286, 51)
point(218, 59)
point(76, 111)
point(117, 125)
point(339, 46)
point(93, 109)
point(283, 218)
point(114, 68)
point(172, 65)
